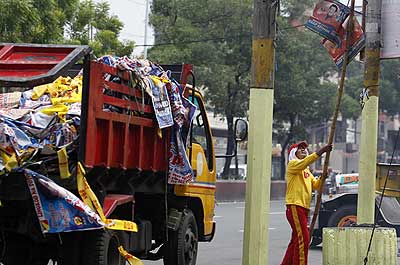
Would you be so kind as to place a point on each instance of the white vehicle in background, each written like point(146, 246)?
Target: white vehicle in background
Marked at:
point(345, 183)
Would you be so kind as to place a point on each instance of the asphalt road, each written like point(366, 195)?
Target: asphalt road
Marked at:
point(226, 248)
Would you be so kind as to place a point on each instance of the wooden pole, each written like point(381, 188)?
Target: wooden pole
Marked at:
point(335, 116)
point(255, 243)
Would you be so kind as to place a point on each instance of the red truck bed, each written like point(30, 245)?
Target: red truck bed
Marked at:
point(122, 140)
point(126, 139)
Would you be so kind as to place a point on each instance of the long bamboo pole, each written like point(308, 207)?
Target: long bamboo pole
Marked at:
point(335, 116)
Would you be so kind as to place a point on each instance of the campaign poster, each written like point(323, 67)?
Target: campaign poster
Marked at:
point(327, 19)
point(161, 104)
point(57, 209)
point(357, 43)
point(180, 170)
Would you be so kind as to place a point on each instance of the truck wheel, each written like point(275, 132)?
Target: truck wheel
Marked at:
point(343, 216)
point(101, 248)
point(182, 244)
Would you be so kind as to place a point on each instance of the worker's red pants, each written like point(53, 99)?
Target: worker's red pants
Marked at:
point(297, 250)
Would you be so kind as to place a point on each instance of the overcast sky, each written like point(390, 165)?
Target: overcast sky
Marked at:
point(132, 14)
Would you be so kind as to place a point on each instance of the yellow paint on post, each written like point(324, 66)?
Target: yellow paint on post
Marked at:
point(367, 162)
point(347, 246)
point(263, 58)
point(372, 71)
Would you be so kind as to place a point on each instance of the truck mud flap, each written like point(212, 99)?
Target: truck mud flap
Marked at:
point(390, 209)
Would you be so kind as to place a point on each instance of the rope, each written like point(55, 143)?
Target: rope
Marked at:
point(381, 199)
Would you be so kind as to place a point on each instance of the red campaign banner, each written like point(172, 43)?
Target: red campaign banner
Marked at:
point(327, 19)
point(357, 43)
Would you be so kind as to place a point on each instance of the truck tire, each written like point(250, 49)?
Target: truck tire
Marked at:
point(344, 216)
point(101, 247)
point(181, 248)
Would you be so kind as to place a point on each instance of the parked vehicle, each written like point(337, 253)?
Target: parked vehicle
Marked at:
point(341, 210)
point(126, 164)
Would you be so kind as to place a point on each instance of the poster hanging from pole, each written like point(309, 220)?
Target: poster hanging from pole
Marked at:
point(357, 43)
point(327, 19)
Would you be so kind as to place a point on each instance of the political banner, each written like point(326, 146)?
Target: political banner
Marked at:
point(161, 104)
point(180, 170)
point(357, 43)
point(327, 19)
point(57, 209)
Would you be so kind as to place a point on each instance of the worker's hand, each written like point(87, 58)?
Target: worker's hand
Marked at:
point(326, 148)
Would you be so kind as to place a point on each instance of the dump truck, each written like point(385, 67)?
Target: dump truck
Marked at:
point(126, 158)
point(340, 210)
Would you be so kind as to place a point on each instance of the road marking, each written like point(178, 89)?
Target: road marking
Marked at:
point(271, 228)
point(218, 216)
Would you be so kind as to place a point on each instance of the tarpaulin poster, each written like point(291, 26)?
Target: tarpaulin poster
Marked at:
point(357, 43)
point(161, 104)
point(327, 19)
point(180, 170)
point(57, 209)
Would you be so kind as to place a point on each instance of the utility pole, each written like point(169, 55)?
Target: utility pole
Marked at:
point(255, 245)
point(369, 130)
point(146, 21)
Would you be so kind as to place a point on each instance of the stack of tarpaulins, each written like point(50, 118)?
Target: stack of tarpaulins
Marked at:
point(39, 122)
point(44, 121)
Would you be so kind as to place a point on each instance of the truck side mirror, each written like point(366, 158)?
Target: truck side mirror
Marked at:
point(241, 130)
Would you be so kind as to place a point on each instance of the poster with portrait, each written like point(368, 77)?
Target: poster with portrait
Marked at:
point(357, 43)
point(57, 209)
point(327, 19)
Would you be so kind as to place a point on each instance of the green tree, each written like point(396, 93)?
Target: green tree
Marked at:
point(93, 24)
point(49, 21)
point(39, 21)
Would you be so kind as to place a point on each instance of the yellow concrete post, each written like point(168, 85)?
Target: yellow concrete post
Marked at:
point(255, 246)
point(348, 246)
point(369, 130)
point(367, 163)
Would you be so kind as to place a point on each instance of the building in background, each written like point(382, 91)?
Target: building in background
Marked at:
point(345, 155)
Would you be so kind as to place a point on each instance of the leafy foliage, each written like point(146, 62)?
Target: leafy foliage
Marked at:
point(63, 21)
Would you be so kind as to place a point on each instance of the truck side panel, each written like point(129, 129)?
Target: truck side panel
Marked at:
point(128, 138)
